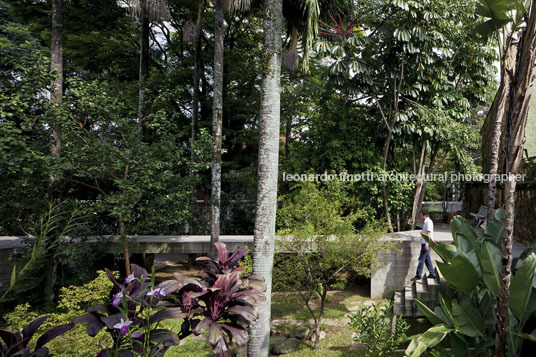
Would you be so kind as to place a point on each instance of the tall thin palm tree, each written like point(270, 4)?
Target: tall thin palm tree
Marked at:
point(146, 11)
point(516, 123)
point(56, 98)
point(217, 109)
point(264, 236)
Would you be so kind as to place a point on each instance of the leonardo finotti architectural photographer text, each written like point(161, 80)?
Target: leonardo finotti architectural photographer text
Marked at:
point(402, 176)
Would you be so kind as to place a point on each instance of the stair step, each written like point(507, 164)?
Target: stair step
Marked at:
point(398, 309)
point(420, 287)
point(433, 285)
point(409, 302)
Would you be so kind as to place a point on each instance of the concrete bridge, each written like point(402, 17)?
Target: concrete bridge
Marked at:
point(396, 267)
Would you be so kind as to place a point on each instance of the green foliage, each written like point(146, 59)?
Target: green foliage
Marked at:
point(373, 328)
point(317, 226)
point(246, 263)
point(24, 164)
point(134, 182)
point(55, 224)
point(468, 318)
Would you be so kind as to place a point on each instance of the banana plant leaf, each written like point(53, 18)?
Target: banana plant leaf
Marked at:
point(522, 300)
point(468, 319)
point(490, 260)
point(429, 339)
point(452, 272)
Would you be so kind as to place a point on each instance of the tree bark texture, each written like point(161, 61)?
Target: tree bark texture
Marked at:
point(56, 64)
point(197, 71)
point(195, 106)
point(515, 134)
point(144, 61)
point(498, 111)
point(56, 98)
point(418, 187)
point(264, 235)
point(217, 114)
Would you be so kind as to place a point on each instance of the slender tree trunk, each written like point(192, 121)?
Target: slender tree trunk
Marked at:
point(126, 254)
point(263, 247)
point(418, 186)
point(56, 64)
point(56, 98)
point(396, 93)
point(144, 63)
point(318, 323)
point(197, 71)
point(384, 183)
point(195, 105)
point(515, 134)
point(217, 116)
point(498, 111)
point(290, 106)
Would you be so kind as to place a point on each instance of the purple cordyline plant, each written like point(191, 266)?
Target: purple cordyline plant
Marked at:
point(222, 302)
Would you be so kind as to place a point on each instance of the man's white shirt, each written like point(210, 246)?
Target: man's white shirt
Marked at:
point(428, 226)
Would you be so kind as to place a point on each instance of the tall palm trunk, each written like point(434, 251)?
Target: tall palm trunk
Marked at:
point(56, 64)
point(263, 246)
point(515, 135)
point(197, 71)
point(498, 111)
point(217, 114)
point(56, 98)
point(144, 60)
point(195, 104)
point(292, 63)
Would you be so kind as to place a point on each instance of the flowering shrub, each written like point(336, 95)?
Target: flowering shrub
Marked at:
point(222, 302)
point(133, 316)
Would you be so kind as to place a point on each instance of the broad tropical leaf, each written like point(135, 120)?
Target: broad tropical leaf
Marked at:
point(521, 303)
point(458, 345)
point(429, 314)
point(445, 251)
point(468, 320)
point(493, 230)
point(490, 260)
point(465, 282)
point(429, 339)
point(459, 226)
point(495, 9)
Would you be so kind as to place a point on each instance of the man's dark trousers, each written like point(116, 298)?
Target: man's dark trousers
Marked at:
point(424, 257)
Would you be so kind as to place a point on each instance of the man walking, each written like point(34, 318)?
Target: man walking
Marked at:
point(424, 256)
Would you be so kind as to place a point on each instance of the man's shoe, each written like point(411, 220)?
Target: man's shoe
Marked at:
point(433, 276)
point(415, 278)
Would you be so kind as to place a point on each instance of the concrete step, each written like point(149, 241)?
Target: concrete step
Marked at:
point(409, 302)
point(434, 285)
point(398, 307)
point(420, 290)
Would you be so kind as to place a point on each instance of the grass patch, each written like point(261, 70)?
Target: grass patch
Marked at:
point(190, 349)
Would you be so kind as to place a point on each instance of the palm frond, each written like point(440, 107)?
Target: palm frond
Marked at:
point(236, 6)
point(156, 10)
point(311, 10)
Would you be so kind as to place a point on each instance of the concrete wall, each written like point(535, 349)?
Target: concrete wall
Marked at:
point(5, 267)
point(397, 267)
